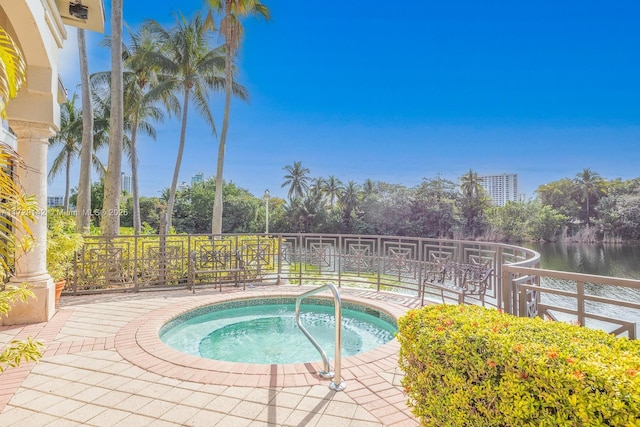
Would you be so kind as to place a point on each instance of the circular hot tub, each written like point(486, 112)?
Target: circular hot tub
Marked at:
point(264, 330)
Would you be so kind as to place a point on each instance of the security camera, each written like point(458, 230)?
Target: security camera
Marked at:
point(77, 10)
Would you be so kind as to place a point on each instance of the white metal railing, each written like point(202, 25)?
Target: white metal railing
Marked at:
point(336, 379)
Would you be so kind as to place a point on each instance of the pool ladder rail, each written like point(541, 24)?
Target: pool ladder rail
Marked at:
point(336, 383)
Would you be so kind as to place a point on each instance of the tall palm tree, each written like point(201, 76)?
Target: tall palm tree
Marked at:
point(316, 186)
point(110, 224)
point(470, 185)
point(86, 150)
point(70, 137)
point(145, 89)
point(195, 68)
point(368, 189)
point(587, 181)
point(297, 179)
point(333, 189)
point(350, 198)
point(231, 28)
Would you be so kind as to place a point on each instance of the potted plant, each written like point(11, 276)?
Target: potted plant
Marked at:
point(62, 243)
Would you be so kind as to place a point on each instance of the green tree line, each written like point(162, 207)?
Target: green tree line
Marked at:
point(437, 208)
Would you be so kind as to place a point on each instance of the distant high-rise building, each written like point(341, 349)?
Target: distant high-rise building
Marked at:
point(502, 188)
point(55, 201)
point(199, 177)
point(125, 182)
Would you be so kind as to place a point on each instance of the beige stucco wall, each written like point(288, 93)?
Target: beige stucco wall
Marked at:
point(34, 115)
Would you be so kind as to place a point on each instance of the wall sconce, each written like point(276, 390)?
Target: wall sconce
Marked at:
point(78, 10)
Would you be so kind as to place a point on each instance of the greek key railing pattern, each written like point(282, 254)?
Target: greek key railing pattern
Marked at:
point(380, 263)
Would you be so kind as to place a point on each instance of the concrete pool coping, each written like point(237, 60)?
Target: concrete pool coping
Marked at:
point(97, 370)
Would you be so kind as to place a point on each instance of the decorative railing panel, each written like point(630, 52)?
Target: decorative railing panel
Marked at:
point(601, 302)
point(398, 264)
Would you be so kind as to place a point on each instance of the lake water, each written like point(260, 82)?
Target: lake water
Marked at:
point(604, 260)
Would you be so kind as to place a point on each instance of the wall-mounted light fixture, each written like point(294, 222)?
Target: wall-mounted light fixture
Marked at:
point(78, 10)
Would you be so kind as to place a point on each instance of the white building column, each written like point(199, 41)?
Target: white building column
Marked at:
point(31, 267)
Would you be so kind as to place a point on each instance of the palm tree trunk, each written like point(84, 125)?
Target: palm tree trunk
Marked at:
point(67, 186)
point(110, 224)
point(216, 220)
point(86, 153)
point(137, 224)
point(176, 170)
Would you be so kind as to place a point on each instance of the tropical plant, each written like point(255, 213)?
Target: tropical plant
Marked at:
point(231, 29)
point(16, 209)
point(333, 189)
point(297, 178)
point(145, 90)
point(350, 200)
point(110, 224)
point(186, 55)
point(69, 137)
point(13, 70)
point(17, 351)
point(62, 243)
point(474, 202)
point(589, 183)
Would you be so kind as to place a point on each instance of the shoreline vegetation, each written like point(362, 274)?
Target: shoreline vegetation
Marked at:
point(586, 209)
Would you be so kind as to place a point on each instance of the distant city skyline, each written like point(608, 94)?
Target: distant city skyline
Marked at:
point(400, 94)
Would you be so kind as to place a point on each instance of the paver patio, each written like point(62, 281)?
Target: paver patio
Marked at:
point(104, 365)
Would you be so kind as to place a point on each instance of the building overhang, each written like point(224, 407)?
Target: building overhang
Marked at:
point(85, 14)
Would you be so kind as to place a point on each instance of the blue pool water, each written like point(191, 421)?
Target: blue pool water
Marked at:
point(265, 330)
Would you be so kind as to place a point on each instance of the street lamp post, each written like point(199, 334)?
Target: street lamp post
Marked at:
point(266, 200)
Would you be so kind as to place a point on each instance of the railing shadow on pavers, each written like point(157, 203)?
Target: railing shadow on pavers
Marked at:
point(397, 264)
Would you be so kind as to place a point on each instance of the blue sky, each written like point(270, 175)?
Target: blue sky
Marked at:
point(398, 92)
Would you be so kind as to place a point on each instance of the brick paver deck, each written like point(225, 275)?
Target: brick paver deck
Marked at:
point(104, 365)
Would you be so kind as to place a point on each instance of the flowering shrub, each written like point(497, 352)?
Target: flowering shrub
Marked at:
point(471, 366)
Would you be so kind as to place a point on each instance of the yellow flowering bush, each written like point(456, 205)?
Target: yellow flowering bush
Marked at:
point(472, 366)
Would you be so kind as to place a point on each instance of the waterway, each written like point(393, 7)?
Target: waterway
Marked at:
point(603, 260)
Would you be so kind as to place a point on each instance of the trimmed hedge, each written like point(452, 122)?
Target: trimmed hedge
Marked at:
point(472, 366)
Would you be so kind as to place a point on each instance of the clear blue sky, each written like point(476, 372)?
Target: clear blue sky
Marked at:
point(397, 92)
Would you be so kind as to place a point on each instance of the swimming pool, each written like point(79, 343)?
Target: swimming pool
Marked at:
point(264, 330)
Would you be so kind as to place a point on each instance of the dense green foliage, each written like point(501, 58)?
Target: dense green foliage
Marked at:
point(17, 351)
point(436, 208)
point(62, 243)
point(471, 366)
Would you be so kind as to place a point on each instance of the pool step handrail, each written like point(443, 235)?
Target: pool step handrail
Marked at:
point(336, 383)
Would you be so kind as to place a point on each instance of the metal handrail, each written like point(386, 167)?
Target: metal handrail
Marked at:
point(336, 383)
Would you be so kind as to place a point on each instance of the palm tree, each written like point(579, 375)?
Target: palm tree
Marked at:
point(231, 28)
point(317, 186)
point(297, 179)
point(587, 181)
point(350, 199)
point(86, 151)
point(473, 202)
point(195, 68)
point(333, 188)
point(110, 223)
point(470, 185)
point(368, 189)
point(145, 88)
point(70, 137)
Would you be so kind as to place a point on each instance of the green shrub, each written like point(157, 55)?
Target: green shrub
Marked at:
point(471, 366)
